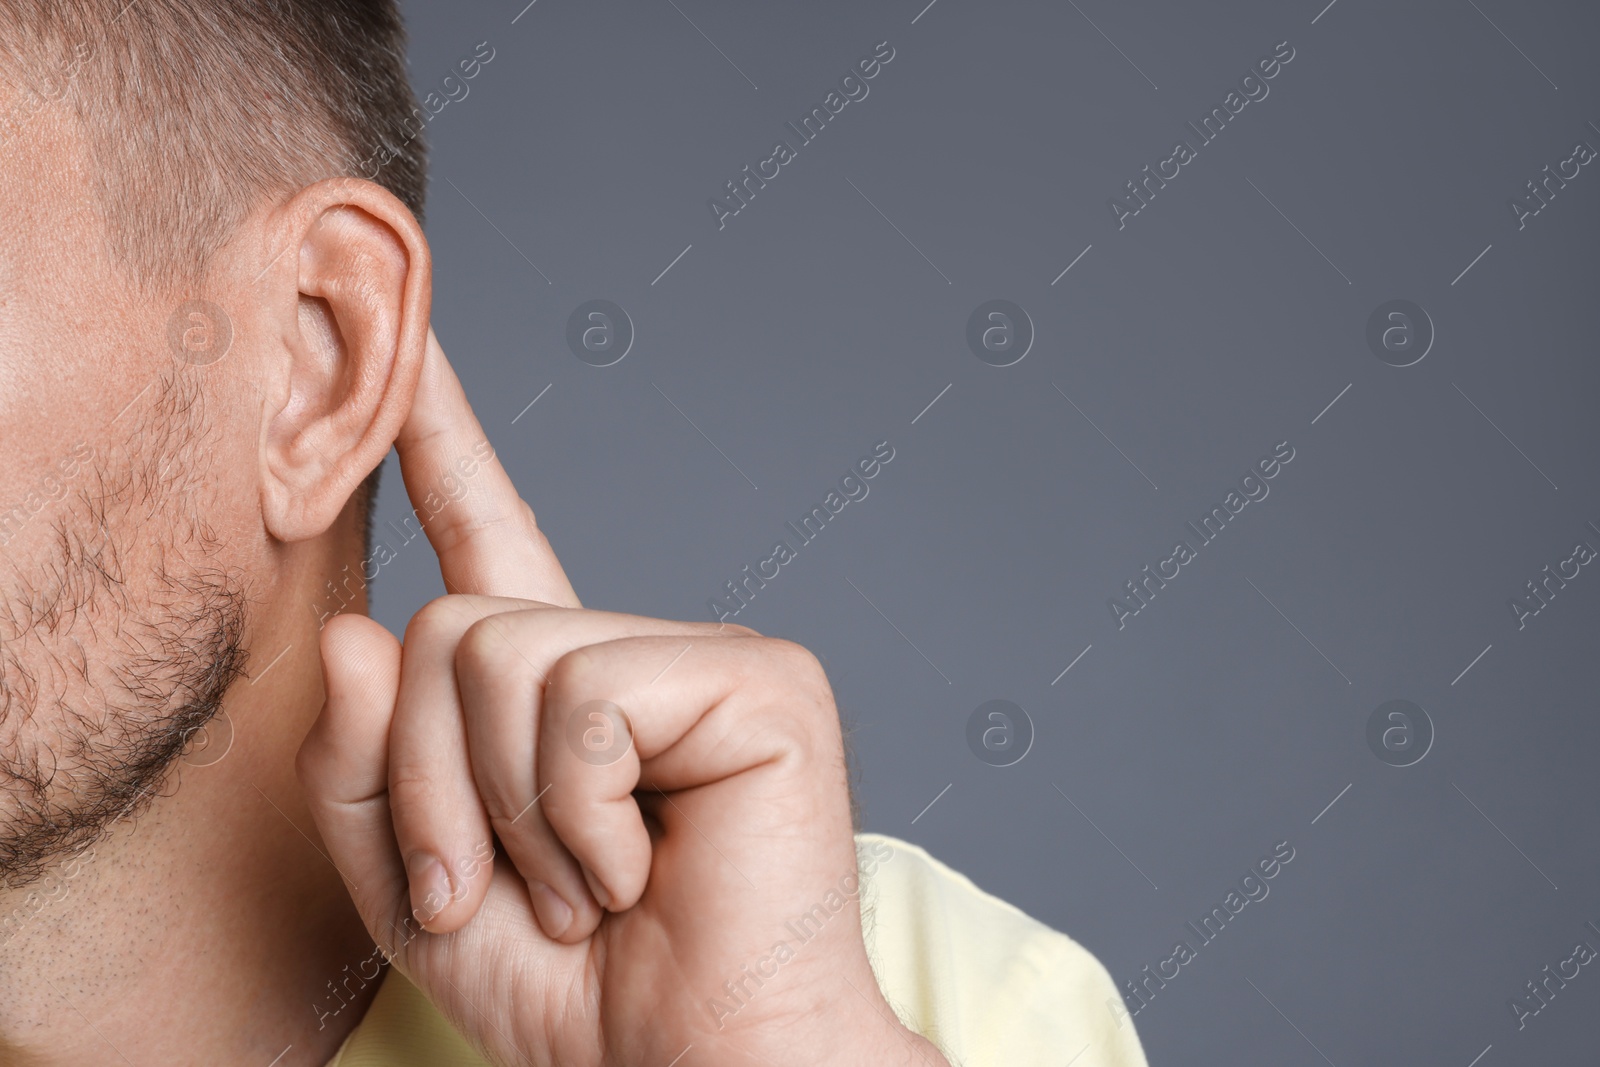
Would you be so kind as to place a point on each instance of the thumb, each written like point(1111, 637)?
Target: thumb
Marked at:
point(343, 766)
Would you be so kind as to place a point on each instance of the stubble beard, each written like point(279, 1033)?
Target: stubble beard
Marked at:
point(121, 630)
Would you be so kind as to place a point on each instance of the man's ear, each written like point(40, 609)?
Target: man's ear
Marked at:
point(350, 303)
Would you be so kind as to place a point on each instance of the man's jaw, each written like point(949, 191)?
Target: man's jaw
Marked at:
point(121, 630)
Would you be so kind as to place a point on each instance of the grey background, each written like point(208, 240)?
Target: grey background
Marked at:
point(1217, 723)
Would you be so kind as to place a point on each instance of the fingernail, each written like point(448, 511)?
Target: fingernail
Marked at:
point(600, 895)
point(555, 914)
point(430, 886)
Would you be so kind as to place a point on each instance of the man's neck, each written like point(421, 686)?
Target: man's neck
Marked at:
point(212, 928)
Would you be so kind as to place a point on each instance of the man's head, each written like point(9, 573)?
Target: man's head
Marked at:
point(210, 328)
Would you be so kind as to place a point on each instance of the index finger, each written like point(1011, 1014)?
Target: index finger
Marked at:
point(485, 534)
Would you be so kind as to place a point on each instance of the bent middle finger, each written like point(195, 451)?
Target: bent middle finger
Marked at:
point(502, 664)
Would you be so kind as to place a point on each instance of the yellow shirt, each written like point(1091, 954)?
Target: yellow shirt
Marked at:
point(984, 982)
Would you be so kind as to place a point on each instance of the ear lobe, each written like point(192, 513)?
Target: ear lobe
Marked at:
point(344, 370)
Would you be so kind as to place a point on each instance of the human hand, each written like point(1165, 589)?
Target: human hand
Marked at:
point(581, 833)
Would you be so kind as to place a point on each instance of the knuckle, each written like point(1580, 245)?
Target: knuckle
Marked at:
point(506, 801)
point(573, 672)
point(440, 618)
point(419, 787)
point(800, 686)
point(502, 808)
point(485, 649)
point(509, 640)
point(477, 526)
point(532, 531)
point(789, 688)
point(530, 520)
point(797, 662)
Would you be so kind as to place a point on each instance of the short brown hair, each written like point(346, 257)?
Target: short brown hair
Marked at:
point(196, 110)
